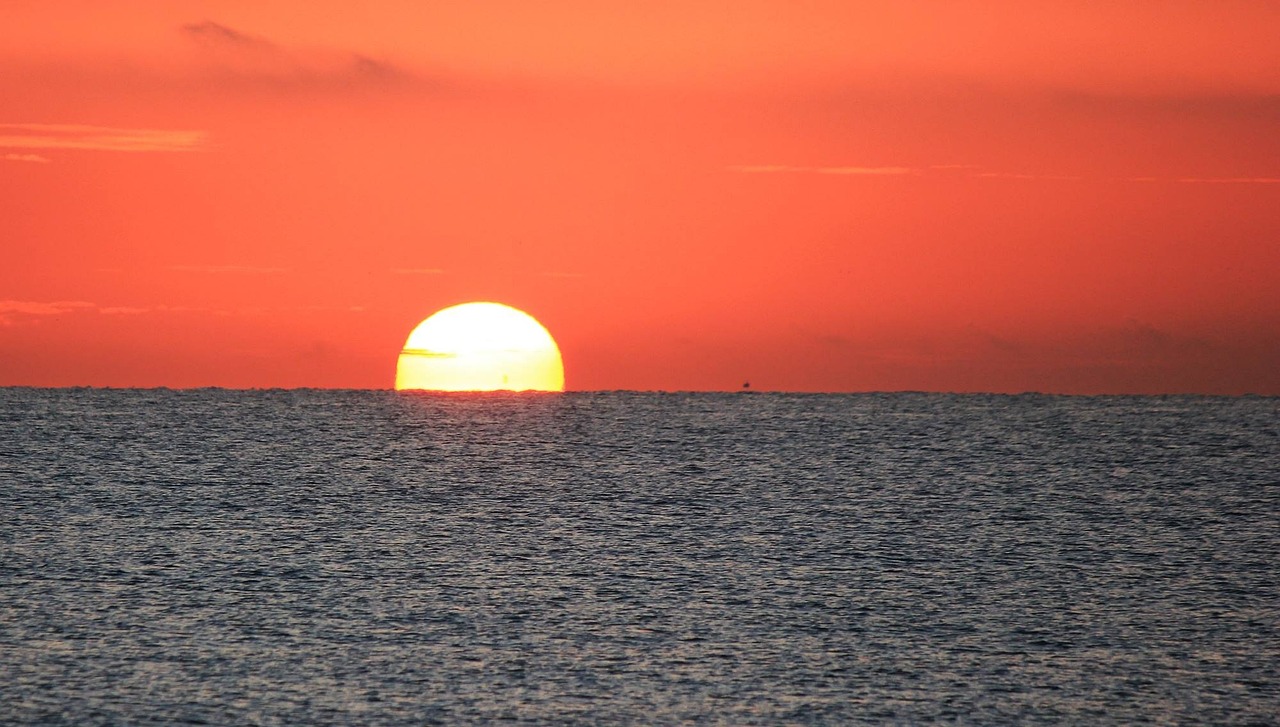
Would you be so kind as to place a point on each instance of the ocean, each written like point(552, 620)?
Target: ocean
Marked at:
point(369, 557)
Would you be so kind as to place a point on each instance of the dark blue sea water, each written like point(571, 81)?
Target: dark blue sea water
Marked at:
point(366, 557)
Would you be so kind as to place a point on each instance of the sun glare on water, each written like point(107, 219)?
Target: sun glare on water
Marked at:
point(480, 347)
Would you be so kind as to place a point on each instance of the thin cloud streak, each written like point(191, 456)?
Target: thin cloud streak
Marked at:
point(41, 308)
point(868, 171)
point(17, 312)
point(846, 171)
point(1228, 180)
point(34, 158)
point(223, 269)
point(1016, 175)
point(1207, 180)
point(971, 171)
point(14, 311)
point(98, 138)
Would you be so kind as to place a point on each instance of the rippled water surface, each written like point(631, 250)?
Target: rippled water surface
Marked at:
point(305, 557)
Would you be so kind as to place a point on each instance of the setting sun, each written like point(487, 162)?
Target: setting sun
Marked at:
point(480, 347)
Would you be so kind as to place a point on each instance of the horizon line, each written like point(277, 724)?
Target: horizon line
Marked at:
point(527, 392)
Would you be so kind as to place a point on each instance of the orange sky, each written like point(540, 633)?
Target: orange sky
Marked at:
point(1060, 196)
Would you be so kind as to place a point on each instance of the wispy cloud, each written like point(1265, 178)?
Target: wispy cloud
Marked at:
point(847, 171)
point(975, 171)
point(24, 312)
point(1019, 175)
point(239, 57)
point(98, 138)
point(871, 171)
point(36, 158)
point(225, 269)
point(1219, 180)
point(219, 35)
point(13, 311)
point(375, 70)
point(40, 308)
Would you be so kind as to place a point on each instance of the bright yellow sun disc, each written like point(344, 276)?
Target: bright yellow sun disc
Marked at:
point(480, 347)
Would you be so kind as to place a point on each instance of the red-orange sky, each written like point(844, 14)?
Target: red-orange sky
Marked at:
point(1059, 196)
